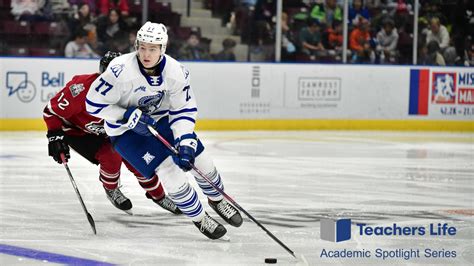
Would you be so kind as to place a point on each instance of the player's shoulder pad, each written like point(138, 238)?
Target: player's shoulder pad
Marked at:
point(175, 70)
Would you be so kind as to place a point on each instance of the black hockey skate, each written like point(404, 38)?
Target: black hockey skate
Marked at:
point(119, 200)
point(210, 227)
point(227, 212)
point(166, 203)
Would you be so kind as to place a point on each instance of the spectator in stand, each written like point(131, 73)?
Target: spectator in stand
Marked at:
point(430, 9)
point(265, 10)
point(432, 55)
point(173, 48)
point(405, 45)
point(28, 10)
point(360, 43)
point(310, 38)
point(262, 26)
point(112, 31)
point(227, 53)
point(450, 56)
point(371, 4)
point(387, 40)
point(91, 3)
point(462, 27)
point(335, 39)
point(121, 5)
point(357, 11)
point(79, 48)
point(287, 40)
point(192, 50)
point(132, 36)
point(83, 19)
point(438, 33)
point(327, 13)
point(397, 6)
point(58, 7)
point(470, 54)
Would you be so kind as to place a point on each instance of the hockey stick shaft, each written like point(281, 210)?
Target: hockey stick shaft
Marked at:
point(88, 215)
point(225, 195)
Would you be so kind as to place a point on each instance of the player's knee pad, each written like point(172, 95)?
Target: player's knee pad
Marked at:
point(172, 177)
point(204, 163)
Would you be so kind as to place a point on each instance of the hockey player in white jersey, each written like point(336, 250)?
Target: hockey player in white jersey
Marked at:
point(148, 87)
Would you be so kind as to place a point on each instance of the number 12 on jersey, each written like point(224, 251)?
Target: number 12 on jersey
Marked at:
point(103, 83)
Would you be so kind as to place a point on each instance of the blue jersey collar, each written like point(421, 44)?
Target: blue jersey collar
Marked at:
point(154, 80)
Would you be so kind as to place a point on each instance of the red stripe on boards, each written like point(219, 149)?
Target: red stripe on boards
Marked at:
point(423, 91)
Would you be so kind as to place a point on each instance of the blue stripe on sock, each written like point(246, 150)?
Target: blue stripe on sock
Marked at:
point(212, 194)
point(208, 189)
point(181, 194)
point(188, 203)
point(196, 212)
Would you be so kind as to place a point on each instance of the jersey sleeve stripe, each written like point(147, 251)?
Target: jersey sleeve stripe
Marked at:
point(112, 125)
point(100, 105)
point(96, 111)
point(162, 112)
point(182, 118)
point(186, 110)
point(50, 109)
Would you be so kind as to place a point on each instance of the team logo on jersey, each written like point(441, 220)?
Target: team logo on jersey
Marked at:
point(148, 158)
point(149, 104)
point(141, 88)
point(185, 72)
point(117, 69)
point(156, 80)
point(95, 127)
point(76, 89)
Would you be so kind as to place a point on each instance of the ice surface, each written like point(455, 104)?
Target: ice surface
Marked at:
point(286, 180)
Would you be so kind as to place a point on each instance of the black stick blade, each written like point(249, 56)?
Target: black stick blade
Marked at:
point(92, 223)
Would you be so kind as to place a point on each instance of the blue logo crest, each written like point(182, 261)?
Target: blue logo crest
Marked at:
point(150, 104)
point(117, 69)
point(155, 80)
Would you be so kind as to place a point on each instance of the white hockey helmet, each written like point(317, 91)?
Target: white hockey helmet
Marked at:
point(154, 33)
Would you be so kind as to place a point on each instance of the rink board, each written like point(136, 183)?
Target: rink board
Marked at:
point(246, 96)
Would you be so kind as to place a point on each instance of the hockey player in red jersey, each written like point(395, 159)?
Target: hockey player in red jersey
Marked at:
point(69, 125)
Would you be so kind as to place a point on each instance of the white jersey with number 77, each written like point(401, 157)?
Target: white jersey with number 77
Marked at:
point(125, 84)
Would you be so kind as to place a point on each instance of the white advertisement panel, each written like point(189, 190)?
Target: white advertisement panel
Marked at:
point(27, 84)
point(300, 91)
point(271, 91)
point(314, 91)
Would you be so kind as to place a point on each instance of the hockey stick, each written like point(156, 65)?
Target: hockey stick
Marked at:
point(89, 216)
point(175, 152)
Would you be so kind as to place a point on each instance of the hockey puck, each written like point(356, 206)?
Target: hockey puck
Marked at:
point(271, 260)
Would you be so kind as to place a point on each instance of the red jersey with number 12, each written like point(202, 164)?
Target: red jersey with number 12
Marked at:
point(67, 109)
